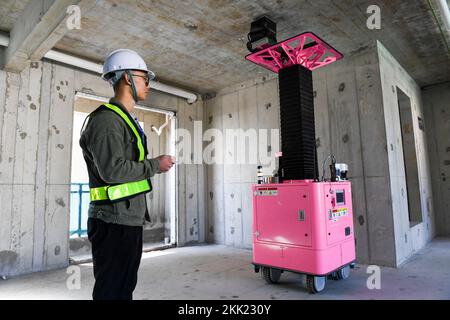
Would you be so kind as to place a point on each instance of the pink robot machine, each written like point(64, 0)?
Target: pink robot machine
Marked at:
point(301, 223)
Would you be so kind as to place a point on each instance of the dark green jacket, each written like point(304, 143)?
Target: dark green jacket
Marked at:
point(111, 155)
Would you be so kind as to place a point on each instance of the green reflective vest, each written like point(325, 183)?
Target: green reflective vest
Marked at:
point(124, 190)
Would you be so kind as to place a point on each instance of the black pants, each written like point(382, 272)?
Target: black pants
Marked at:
point(116, 255)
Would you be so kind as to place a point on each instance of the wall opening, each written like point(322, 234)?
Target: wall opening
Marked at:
point(410, 158)
point(161, 201)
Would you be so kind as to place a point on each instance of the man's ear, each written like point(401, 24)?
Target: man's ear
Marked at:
point(127, 79)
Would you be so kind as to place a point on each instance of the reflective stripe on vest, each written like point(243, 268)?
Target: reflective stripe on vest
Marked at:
point(128, 189)
point(120, 191)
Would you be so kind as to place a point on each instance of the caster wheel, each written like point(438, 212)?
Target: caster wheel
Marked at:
point(343, 273)
point(271, 275)
point(315, 284)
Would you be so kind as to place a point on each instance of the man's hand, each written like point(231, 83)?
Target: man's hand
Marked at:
point(165, 162)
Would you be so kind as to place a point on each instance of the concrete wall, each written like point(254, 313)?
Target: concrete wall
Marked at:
point(250, 105)
point(191, 179)
point(436, 100)
point(408, 238)
point(350, 123)
point(36, 110)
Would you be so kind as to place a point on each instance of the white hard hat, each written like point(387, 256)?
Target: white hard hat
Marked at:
point(124, 59)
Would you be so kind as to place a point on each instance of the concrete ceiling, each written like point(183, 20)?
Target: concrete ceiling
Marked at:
point(10, 10)
point(200, 44)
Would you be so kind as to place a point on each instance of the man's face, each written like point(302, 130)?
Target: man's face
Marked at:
point(141, 82)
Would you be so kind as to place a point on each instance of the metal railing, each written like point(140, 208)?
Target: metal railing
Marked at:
point(77, 210)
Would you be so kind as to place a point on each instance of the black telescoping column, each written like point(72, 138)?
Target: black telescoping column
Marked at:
point(297, 124)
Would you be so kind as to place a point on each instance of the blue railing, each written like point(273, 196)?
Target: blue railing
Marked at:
point(79, 205)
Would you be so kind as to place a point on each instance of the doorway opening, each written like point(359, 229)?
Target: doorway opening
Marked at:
point(410, 158)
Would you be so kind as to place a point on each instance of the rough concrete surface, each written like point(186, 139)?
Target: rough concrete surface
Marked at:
point(209, 37)
point(217, 272)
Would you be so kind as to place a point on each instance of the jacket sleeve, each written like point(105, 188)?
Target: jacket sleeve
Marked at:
point(108, 154)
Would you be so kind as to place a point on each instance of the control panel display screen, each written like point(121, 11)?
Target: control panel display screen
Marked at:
point(340, 197)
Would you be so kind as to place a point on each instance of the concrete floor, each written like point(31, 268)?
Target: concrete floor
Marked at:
point(219, 272)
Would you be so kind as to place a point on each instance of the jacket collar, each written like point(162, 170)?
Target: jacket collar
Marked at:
point(116, 102)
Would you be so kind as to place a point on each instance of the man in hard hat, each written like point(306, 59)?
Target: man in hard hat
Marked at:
point(115, 150)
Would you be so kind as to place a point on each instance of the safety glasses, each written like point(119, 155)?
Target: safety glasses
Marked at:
point(146, 78)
